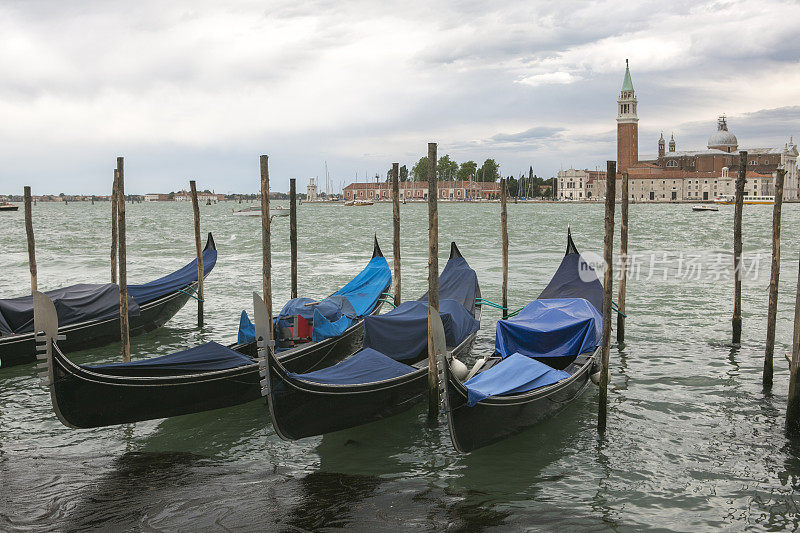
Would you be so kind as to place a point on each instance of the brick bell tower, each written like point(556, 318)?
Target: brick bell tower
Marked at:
point(627, 125)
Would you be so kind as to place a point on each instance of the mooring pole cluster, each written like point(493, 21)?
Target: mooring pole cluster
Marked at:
point(608, 279)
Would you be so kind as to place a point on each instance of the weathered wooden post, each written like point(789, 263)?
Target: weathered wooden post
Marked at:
point(504, 231)
point(623, 259)
point(293, 232)
point(736, 321)
point(114, 194)
point(266, 243)
point(31, 240)
point(433, 280)
point(793, 406)
point(608, 280)
point(396, 228)
point(125, 338)
point(199, 251)
point(772, 310)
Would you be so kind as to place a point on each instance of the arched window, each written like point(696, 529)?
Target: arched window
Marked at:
point(672, 163)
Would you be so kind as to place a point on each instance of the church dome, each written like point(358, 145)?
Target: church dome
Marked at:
point(722, 139)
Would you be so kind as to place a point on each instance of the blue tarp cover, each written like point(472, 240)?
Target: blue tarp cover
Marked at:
point(402, 333)
point(204, 358)
point(325, 328)
point(550, 328)
point(74, 304)
point(354, 300)
point(514, 374)
point(457, 282)
point(367, 366)
point(575, 278)
point(179, 279)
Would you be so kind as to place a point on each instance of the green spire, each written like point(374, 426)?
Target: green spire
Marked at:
point(627, 85)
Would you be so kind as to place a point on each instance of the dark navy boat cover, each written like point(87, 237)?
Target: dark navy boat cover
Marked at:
point(550, 328)
point(74, 304)
point(457, 282)
point(366, 366)
point(575, 278)
point(339, 310)
point(179, 279)
point(513, 375)
point(402, 333)
point(204, 358)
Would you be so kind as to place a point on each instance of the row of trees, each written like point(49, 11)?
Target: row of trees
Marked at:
point(449, 170)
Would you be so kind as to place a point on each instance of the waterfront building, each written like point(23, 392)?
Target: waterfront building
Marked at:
point(418, 190)
point(311, 190)
point(674, 175)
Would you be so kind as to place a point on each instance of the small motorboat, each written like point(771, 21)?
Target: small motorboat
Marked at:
point(357, 203)
point(704, 208)
point(255, 211)
point(5, 206)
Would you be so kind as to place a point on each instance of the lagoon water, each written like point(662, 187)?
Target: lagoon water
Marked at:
point(693, 442)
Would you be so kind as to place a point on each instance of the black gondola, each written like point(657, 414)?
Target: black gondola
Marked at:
point(550, 366)
point(89, 314)
point(206, 377)
point(373, 383)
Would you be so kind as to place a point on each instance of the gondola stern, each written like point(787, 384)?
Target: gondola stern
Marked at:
point(376, 248)
point(454, 251)
point(571, 248)
point(210, 244)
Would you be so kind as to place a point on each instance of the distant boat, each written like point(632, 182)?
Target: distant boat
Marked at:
point(751, 200)
point(357, 203)
point(704, 208)
point(5, 206)
point(255, 211)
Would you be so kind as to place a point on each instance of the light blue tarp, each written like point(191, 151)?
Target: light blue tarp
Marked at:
point(179, 279)
point(204, 358)
point(402, 333)
point(325, 328)
point(514, 374)
point(550, 328)
point(356, 299)
point(367, 366)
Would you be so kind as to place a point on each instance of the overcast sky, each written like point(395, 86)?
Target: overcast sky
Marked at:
point(199, 89)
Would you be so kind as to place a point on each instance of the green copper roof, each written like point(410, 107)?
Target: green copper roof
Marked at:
point(627, 85)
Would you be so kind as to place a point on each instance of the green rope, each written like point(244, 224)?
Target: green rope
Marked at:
point(515, 313)
point(387, 302)
point(192, 295)
point(490, 303)
point(387, 295)
point(614, 307)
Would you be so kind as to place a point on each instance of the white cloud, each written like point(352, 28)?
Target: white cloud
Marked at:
point(549, 78)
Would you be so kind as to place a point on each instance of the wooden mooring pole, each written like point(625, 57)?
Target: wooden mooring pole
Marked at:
point(736, 321)
point(266, 243)
point(114, 217)
point(623, 258)
point(199, 251)
point(396, 230)
point(293, 232)
point(504, 231)
point(608, 280)
point(772, 310)
point(793, 406)
point(433, 280)
point(125, 336)
point(31, 240)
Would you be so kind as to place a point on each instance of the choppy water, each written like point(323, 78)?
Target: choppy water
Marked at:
point(693, 443)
